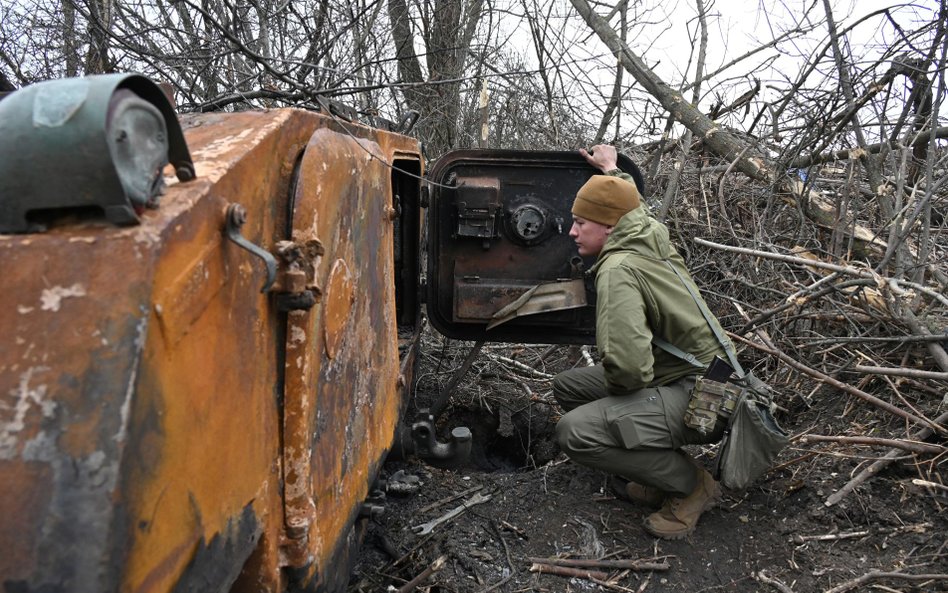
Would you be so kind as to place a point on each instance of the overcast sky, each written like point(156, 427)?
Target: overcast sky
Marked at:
point(661, 32)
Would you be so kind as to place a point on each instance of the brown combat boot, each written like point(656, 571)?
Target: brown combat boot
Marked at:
point(679, 516)
point(637, 493)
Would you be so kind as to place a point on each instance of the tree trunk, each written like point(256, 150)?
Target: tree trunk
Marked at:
point(409, 69)
point(70, 49)
point(747, 158)
point(100, 24)
point(450, 30)
point(5, 85)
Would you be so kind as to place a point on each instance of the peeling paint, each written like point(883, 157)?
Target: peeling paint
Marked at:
point(141, 331)
point(51, 299)
point(24, 398)
point(42, 447)
point(207, 159)
point(146, 236)
point(297, 335)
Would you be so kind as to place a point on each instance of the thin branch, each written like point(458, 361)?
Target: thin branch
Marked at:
point(910, 446)
point(811, 372)
point(901, 372)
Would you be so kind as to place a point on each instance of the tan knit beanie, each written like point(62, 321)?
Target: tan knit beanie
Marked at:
point(605, 199)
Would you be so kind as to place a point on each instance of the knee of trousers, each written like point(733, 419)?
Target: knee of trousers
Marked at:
point(558, 388)
point(573, 434)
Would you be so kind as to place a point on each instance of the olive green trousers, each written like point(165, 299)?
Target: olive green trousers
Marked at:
point(637, 436)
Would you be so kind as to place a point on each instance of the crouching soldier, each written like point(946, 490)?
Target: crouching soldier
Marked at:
point(625, 415)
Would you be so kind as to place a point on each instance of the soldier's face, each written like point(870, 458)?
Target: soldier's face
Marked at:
point(589, 236)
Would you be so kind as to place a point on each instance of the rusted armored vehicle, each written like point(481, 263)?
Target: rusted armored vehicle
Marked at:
point(204, 365)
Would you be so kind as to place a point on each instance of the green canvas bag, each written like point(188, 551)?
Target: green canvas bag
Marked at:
point(752, 439)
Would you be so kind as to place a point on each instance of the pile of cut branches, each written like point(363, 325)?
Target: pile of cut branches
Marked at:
point(835, 316)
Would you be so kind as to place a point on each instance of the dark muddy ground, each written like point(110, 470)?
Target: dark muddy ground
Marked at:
point(777, 536)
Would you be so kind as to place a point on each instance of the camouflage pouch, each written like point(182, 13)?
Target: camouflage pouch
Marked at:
point(710, 399)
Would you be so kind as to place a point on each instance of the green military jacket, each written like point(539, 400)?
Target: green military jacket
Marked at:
point(639, 297)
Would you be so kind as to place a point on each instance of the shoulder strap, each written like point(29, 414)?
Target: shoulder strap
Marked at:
point(709, 319)
point(677, 352)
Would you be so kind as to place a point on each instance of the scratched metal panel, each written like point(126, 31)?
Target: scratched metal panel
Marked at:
point(343, 395)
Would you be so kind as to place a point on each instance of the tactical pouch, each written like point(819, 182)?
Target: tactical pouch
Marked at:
point(710, 399)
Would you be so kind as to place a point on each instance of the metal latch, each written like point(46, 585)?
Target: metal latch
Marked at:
point(294, 282)
point(296, 288)
point(236, 216)
point(478, 200)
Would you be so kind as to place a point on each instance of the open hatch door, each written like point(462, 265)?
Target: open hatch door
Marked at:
point(501, 264)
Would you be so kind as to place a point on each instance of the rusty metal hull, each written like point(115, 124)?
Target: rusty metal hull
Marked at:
point(163, 426)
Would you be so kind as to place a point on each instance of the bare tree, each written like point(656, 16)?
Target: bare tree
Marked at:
point(98, 28)
point(446, 28)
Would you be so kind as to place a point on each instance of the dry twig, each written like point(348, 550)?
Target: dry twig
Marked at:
point(763, 577)
point(900, 372)
point(423, 575)
point(883, 405)
point(879, 575)
point(566, 571)
point(637, 565)
point(878, 465)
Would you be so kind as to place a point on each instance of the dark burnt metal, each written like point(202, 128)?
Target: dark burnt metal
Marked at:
point(499, 230)
point(335, 108)
point(478, 203)
point(291, 301)
point(440, 454)
point(217, 563)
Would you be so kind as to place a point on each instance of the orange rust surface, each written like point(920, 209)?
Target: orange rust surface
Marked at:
point(19, 513)
point(337, 305)
point(141, 371)
point(207, 399)
point(341, 383)
point(72, 329)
